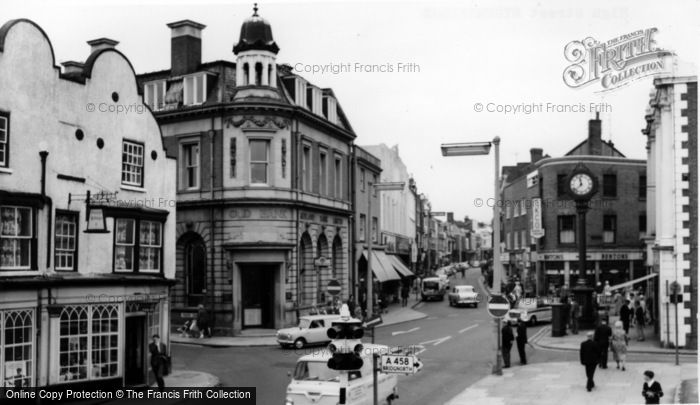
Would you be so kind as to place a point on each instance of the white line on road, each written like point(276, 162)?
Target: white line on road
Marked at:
point(401, 332)
point(436, 342)
point(468, 328)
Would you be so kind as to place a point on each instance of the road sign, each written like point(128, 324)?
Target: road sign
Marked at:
point(334, 287)
point(498, 306)
point(537, 233)
point(395, 364)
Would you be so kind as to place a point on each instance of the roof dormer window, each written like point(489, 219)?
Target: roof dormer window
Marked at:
point(195, 89)
point(154, 94)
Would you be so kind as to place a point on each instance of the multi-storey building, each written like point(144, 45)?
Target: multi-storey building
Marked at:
point(614, 222)
point(263, 193)
point(397, 218)
point(672, 204)
point(87, 217)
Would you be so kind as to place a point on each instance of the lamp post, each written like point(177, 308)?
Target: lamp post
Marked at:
point(370, 192)
point(475, 149)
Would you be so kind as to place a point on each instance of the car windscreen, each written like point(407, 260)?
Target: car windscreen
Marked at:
point(315, 371)
point(304, 323)
point(465, 289)
point(431, 284)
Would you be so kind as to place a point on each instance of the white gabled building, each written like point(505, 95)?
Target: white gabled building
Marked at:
point(77, 307)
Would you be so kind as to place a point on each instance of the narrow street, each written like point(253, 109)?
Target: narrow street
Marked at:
point(459, 351)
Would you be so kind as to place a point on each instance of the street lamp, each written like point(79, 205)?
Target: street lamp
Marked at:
point(483, 148)
point(386, 186)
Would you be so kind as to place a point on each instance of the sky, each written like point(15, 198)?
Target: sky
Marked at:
point(445, 57)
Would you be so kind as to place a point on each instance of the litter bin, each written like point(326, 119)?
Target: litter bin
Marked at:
point(558, 320)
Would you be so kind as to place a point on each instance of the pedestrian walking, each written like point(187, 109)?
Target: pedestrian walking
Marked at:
point(607, 290)
point(590, 356)
point(574, 316)
point(521, 341)
point(650, 310)
point(651, 390)
point(159, 360)
point(639, 321)
point(619, 343)
point(625, 315)
point(203, 322)
point(404, 295)
point(506, 343)
point(602, 338)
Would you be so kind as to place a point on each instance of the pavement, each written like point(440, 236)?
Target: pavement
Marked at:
point(395, 314)
point(564, 382)
point(191, 379)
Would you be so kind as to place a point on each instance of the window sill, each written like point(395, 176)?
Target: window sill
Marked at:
point(6, 170)
point(133, 188)
point(188, 189)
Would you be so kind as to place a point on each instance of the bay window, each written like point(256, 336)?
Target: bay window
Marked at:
point(16, 348)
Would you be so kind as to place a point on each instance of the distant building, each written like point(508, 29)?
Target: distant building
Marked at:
point(672, 203)
point(87, 218)
point(264, 201)
point(614, 223)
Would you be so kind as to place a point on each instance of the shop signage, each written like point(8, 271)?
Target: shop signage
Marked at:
point(595, 256)
point(533, 179)
point(536, 230)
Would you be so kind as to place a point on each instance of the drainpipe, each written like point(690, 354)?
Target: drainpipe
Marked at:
point(212, 250)
point(43, 154)
point(352, 249)
point(295, 185)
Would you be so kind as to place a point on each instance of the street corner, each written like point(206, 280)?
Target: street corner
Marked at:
point(191, 378)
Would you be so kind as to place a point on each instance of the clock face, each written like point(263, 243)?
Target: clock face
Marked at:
point(581, 184)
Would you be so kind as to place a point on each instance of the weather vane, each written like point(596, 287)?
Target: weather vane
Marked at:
point(255, 9)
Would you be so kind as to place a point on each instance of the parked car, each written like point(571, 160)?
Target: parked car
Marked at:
point(313, 383)
point(463, 295)
point(531, 310)
point(432, 288)
point(311, 330)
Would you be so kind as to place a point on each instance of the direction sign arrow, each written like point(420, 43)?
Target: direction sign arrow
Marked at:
point(334, 287)
point(401, 332)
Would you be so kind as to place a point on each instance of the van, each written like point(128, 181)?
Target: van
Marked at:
point(433, 288)
point(313, 383)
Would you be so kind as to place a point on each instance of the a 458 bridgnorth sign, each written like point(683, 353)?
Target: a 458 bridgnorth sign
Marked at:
point(615, 62)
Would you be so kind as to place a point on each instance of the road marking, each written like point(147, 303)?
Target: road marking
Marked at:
point(436, 342)
point(468, 328)
point(432, 318)
point(401, 332)
point(419, 305)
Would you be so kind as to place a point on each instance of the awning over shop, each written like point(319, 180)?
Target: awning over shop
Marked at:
point(400, 267)
point(382, 267)
point(635, 281)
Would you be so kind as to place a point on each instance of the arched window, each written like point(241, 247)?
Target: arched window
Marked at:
point(258, 73)
point(269, 74)
point(73, 343)
point(246, 74)
point(195, 270)
point(305, 279)
point(323, 273)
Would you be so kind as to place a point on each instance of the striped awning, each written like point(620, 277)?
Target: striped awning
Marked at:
point(400, 267)
point(382, 267)
point(633, 282)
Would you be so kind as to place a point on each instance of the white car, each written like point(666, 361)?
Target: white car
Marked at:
point(312, 329)
point(531, 311)
point(463, 295)
point(313, 383)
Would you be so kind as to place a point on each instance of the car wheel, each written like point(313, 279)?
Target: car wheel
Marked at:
point(533, 321)
point(299, 343)
point(451, 303)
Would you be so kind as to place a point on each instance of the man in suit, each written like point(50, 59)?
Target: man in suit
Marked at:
point(625, 315)
point(602, 338)
point(159, 360)
point(590, 356)
point(574, 315)
point(521, 341)
point(651, 390)
point(506, 343)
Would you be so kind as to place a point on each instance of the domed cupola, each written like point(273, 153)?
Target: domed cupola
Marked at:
point(256, 33)
point(256, 52)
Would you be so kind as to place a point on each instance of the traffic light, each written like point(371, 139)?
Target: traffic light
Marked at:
point(346, 346)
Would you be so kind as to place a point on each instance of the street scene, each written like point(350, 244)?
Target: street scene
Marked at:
point(308, 203)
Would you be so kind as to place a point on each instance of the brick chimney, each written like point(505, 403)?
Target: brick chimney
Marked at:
point(450, 217)
point(595, 146)
point(101, 43)
point(70, 67)
point(185, 46)
point(535, 155)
